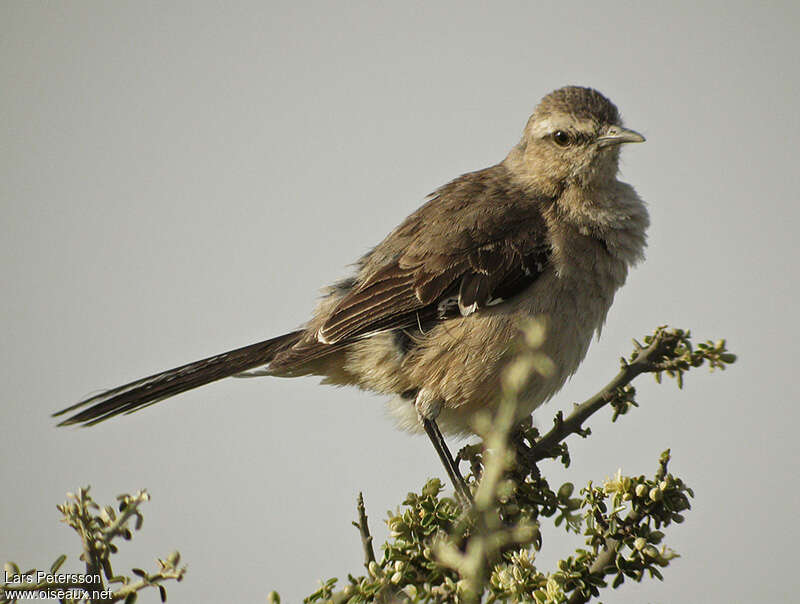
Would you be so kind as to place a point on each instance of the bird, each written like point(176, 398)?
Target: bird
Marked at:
point(432, 313)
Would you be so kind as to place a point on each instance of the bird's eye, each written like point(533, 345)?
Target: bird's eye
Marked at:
point(561, 138)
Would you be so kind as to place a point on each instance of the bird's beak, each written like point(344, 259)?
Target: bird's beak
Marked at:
point(617, 135)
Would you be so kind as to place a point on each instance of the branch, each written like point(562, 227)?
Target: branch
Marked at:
point(363, 529)
point(659, 355)
point(439, 551)
point(168, 570)
point(97, 528)
point(604, 559)
point(488, 534)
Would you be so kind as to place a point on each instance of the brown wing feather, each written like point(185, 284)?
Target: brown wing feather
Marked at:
point(431, 260)
point(477, 279)
point(390, 293)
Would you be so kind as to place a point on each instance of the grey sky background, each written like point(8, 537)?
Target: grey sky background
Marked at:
point(178, 179)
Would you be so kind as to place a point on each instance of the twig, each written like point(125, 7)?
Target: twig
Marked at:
point(92, 557)
point(119, 528)
point(166, 572)
point(646, 360)
point(604, 559)
point(490, 536)
point(363, 529)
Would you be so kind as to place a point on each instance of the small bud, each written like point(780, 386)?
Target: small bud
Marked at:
point(656, 494)
point(650, 552)
point(396, 578)
point(374, 569)
point(641, 490)
point(411, 591)
point(639, 543)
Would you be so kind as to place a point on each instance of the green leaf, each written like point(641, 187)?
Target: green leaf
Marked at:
point(565, 491)
point(57, 564)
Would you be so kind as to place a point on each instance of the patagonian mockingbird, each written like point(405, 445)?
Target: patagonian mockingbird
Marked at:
point(434, 310)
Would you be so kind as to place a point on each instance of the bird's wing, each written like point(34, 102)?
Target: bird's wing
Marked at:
point(417, 291)
point(475, 244)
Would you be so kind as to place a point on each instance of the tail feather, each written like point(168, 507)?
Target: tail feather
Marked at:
point(149, 390)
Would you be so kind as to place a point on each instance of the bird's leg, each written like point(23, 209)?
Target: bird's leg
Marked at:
point(428, 412)
point(432, 430)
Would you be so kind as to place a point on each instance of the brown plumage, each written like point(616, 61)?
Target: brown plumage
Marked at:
point(435, 308)
point(502, 239)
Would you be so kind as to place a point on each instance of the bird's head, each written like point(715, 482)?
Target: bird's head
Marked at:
point(572, 138)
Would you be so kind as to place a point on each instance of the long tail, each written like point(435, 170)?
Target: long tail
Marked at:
point(147, 391)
